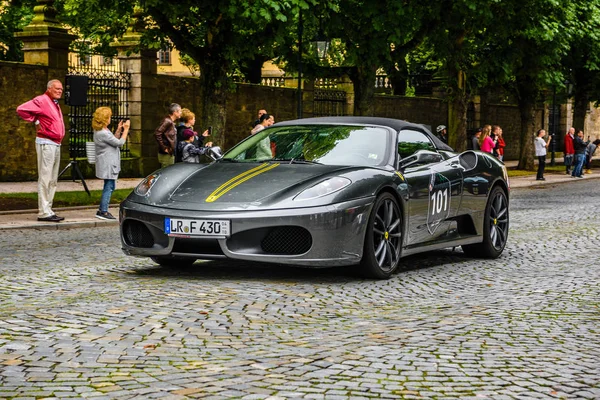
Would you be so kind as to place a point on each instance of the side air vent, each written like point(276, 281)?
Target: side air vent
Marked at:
point(468, 160)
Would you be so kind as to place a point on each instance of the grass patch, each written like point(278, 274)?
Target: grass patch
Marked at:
point(24, 201)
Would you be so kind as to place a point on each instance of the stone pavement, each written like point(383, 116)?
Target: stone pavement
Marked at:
point(85, 216)
point(81, 320)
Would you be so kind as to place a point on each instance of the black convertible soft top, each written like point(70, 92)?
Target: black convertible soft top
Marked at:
point(396, 124)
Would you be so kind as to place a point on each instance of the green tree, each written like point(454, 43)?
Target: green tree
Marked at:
point(221, 37)
point(582, 62)
point(14, 15)
point(458, 42)
point(527, 45)
point(376, 34)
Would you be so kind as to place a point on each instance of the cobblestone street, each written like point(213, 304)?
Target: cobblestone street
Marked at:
point(79, 319)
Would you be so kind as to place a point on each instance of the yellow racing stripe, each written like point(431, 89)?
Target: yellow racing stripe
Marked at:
point(239, 179)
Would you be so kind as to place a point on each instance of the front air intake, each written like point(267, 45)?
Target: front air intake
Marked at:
point(136, 234)
point(287, 240)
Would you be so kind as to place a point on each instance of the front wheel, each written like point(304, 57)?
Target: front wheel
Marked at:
point(383, 239)
point(495, 227)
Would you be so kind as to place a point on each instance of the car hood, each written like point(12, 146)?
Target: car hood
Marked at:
point(223, 186)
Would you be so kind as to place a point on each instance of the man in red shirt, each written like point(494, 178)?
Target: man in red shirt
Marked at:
point(45, 112)
point(569, 149)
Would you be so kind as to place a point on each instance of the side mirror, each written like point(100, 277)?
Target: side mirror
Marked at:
point(421, 157)
point(214, 152)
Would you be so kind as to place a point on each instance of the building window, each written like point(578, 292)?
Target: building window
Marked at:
point(164, 56)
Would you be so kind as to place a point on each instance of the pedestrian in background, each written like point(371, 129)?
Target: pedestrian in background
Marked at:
point(188, 120)
point(45, 112)
point(541, 147)
point(108, 155)
point(263, 149)
point(442, 133)
point(579, 145)
point(266, 120)
point(261, 112)
point(166, 136)
point(473, 142)
point(500, 144)
point(190, 152)
point(589, 154)
point(486, 142)
point(569, 149)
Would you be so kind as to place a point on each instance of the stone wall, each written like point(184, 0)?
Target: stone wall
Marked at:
point(508, 117)
point(243, 104)
point(421, 110)
point(22, 82)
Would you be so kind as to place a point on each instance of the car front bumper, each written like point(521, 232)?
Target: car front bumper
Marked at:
point(314, 237)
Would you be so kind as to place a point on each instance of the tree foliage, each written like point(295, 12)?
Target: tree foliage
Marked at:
point(14, 15)
point(525, 46)
point(376, 34)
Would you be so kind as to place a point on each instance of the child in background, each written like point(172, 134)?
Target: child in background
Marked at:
point(190, 153)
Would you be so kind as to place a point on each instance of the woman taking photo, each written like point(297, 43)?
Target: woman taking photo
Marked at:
point(108, 155)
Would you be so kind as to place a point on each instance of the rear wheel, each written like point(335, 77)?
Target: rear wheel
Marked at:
point(383, 239)
point(495, 227)
point(170, 261)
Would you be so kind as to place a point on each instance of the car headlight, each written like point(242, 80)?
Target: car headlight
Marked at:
point(324, 188)
point(144, 186)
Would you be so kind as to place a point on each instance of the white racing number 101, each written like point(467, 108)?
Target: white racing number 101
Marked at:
point(439, 201)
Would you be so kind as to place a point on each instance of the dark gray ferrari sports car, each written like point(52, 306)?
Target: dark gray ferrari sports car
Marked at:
point(323, 192)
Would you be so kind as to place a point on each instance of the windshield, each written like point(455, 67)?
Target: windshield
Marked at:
point(322, 144)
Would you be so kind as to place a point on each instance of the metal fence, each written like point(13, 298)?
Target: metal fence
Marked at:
point(108, 86)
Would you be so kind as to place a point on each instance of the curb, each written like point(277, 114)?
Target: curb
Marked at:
point(62, 225)
point(35, 210)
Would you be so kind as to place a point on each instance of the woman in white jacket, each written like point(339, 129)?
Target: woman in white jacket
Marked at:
point(108, 155)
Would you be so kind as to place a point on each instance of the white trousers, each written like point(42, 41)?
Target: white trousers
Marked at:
point(48, 161)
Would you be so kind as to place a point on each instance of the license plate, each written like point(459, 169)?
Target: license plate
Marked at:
point(197, 227)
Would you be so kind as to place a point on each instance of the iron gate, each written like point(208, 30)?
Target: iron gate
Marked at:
point(328, 100)
point(107, 86)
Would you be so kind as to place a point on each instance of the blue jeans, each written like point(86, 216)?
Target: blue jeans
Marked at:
point(579, 160)
point(109, 186)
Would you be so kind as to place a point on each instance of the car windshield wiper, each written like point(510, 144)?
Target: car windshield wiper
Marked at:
point(228, 160)
point(295, 161)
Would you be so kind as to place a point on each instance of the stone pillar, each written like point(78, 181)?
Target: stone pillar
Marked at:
point(308, 98)
point(45, 41)
point(144, 111)
point(345, 84)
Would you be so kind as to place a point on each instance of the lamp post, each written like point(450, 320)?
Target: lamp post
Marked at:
point(299, 94)
point(553, 147)
point(322, 45)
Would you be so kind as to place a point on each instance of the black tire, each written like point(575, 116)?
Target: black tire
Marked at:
point(383, 239)
point(170, 261)
point(495, 227)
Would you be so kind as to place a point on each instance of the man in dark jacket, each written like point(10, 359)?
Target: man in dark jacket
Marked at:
point(580, 147)
point(166, 136)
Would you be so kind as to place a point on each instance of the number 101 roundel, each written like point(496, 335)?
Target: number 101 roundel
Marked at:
point(322, 192)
